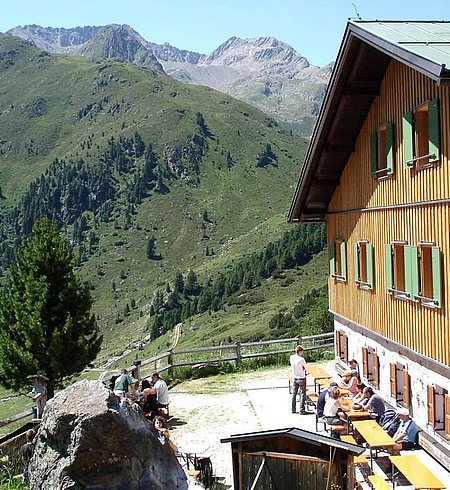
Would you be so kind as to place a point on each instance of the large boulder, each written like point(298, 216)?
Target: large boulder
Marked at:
point(91, 440)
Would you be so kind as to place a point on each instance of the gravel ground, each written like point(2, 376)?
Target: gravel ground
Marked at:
point(207, 410)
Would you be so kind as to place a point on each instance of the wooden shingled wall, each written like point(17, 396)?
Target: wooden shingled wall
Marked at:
point(396, 217)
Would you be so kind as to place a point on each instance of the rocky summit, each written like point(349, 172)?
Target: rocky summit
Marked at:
point(89, 440)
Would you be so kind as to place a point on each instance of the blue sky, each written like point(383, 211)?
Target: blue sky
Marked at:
point(314, 27)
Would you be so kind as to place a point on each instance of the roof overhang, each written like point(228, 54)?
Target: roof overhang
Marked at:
point(355, 82)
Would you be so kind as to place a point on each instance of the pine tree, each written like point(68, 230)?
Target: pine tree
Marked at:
point(46, 324)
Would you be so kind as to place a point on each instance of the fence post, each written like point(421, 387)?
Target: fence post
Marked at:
point(299, 340)
point(170, 362)
point(238, 352)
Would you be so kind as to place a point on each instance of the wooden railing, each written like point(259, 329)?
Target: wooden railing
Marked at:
point(202, 356)
point(236, 352)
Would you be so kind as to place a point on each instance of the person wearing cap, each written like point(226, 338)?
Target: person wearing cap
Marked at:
point(299, 369)
point(323, 397)
point(353, 367)
point(349, 382)
point(406, 434)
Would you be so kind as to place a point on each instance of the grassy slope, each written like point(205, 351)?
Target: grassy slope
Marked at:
point(246, 205)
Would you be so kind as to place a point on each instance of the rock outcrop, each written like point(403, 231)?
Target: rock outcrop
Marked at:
point(89, 440)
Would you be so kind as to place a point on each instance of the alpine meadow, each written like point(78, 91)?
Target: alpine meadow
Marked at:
point(173, 198)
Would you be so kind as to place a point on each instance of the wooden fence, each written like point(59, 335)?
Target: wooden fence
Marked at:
point(236, 352)
point(202, 356)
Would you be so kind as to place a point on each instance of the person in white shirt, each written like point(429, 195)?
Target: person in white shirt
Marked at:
point(162, 392)
point(299, 369)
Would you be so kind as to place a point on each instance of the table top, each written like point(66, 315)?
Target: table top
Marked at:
point(416, 472)
point(358, 414)
point(318, 373)
point(373, 433)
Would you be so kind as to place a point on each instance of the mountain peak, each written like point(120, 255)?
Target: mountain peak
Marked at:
point(255, 51)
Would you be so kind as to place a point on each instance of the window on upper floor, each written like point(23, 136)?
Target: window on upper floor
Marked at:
point(338, 260)
point(414, 272)
point(382, 151)
point(363, 266)
point(421, 135)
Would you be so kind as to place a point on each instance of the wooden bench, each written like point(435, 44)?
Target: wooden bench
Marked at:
point(416, 472)
point(378, 483)
point(361, 459)
point(194, 473)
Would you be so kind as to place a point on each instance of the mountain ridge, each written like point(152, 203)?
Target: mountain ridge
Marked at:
point(264, 71)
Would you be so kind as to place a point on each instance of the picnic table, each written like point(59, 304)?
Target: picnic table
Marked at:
point(415, 472)
point(374, 435)
point(319, 374)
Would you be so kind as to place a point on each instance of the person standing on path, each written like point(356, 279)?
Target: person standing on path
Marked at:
point(299, 368)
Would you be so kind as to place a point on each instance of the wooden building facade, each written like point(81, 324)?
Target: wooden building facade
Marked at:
point(378, 172)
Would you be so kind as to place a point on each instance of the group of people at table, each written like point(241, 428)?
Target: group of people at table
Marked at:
point(152, 396)
point(347, 399)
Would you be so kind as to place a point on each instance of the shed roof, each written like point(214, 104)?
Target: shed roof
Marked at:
point(364, 55)
point(301, 435)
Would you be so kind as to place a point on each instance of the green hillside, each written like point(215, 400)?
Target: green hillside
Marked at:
point(121, 155)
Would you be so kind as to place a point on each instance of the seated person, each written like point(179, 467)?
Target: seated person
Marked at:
point(353, 367)
point(374, 403)
point(159, 423)
point(406, 434)
point(323, 397)
point(134, 394)
point(162, 392)
point(349, 382)
point(334, 412)
point(358, 399)
point(148, 402)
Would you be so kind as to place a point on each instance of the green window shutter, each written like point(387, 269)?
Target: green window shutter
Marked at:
point(343, 261)
point(411, 272)
point(356, 261)
point(373, 154)
point(408, 138)
point(369, 264)
point(332, 256)
point(437, 277)
point(433, 129)
point(388, 267)
point(390, 148)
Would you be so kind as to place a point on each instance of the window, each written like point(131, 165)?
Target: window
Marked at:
point(342, 346)
point(382, 151)
point(400, 384)
point(414, 272)
point(397, 261)
point(338, 260)
point(421, 135)
point(437, 409)
point(371, 366)
point(363, 253)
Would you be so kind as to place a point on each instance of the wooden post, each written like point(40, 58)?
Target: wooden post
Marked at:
point(170, 362)
point(238, 352)
point(299, 340)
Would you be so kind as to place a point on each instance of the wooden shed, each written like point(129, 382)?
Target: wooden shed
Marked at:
point(291, 458)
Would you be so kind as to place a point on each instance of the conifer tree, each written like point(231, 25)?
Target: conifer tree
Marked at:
point(46, 324)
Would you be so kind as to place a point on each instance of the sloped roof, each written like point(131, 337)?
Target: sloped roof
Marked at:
point(364, 55)
point(301, 435)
